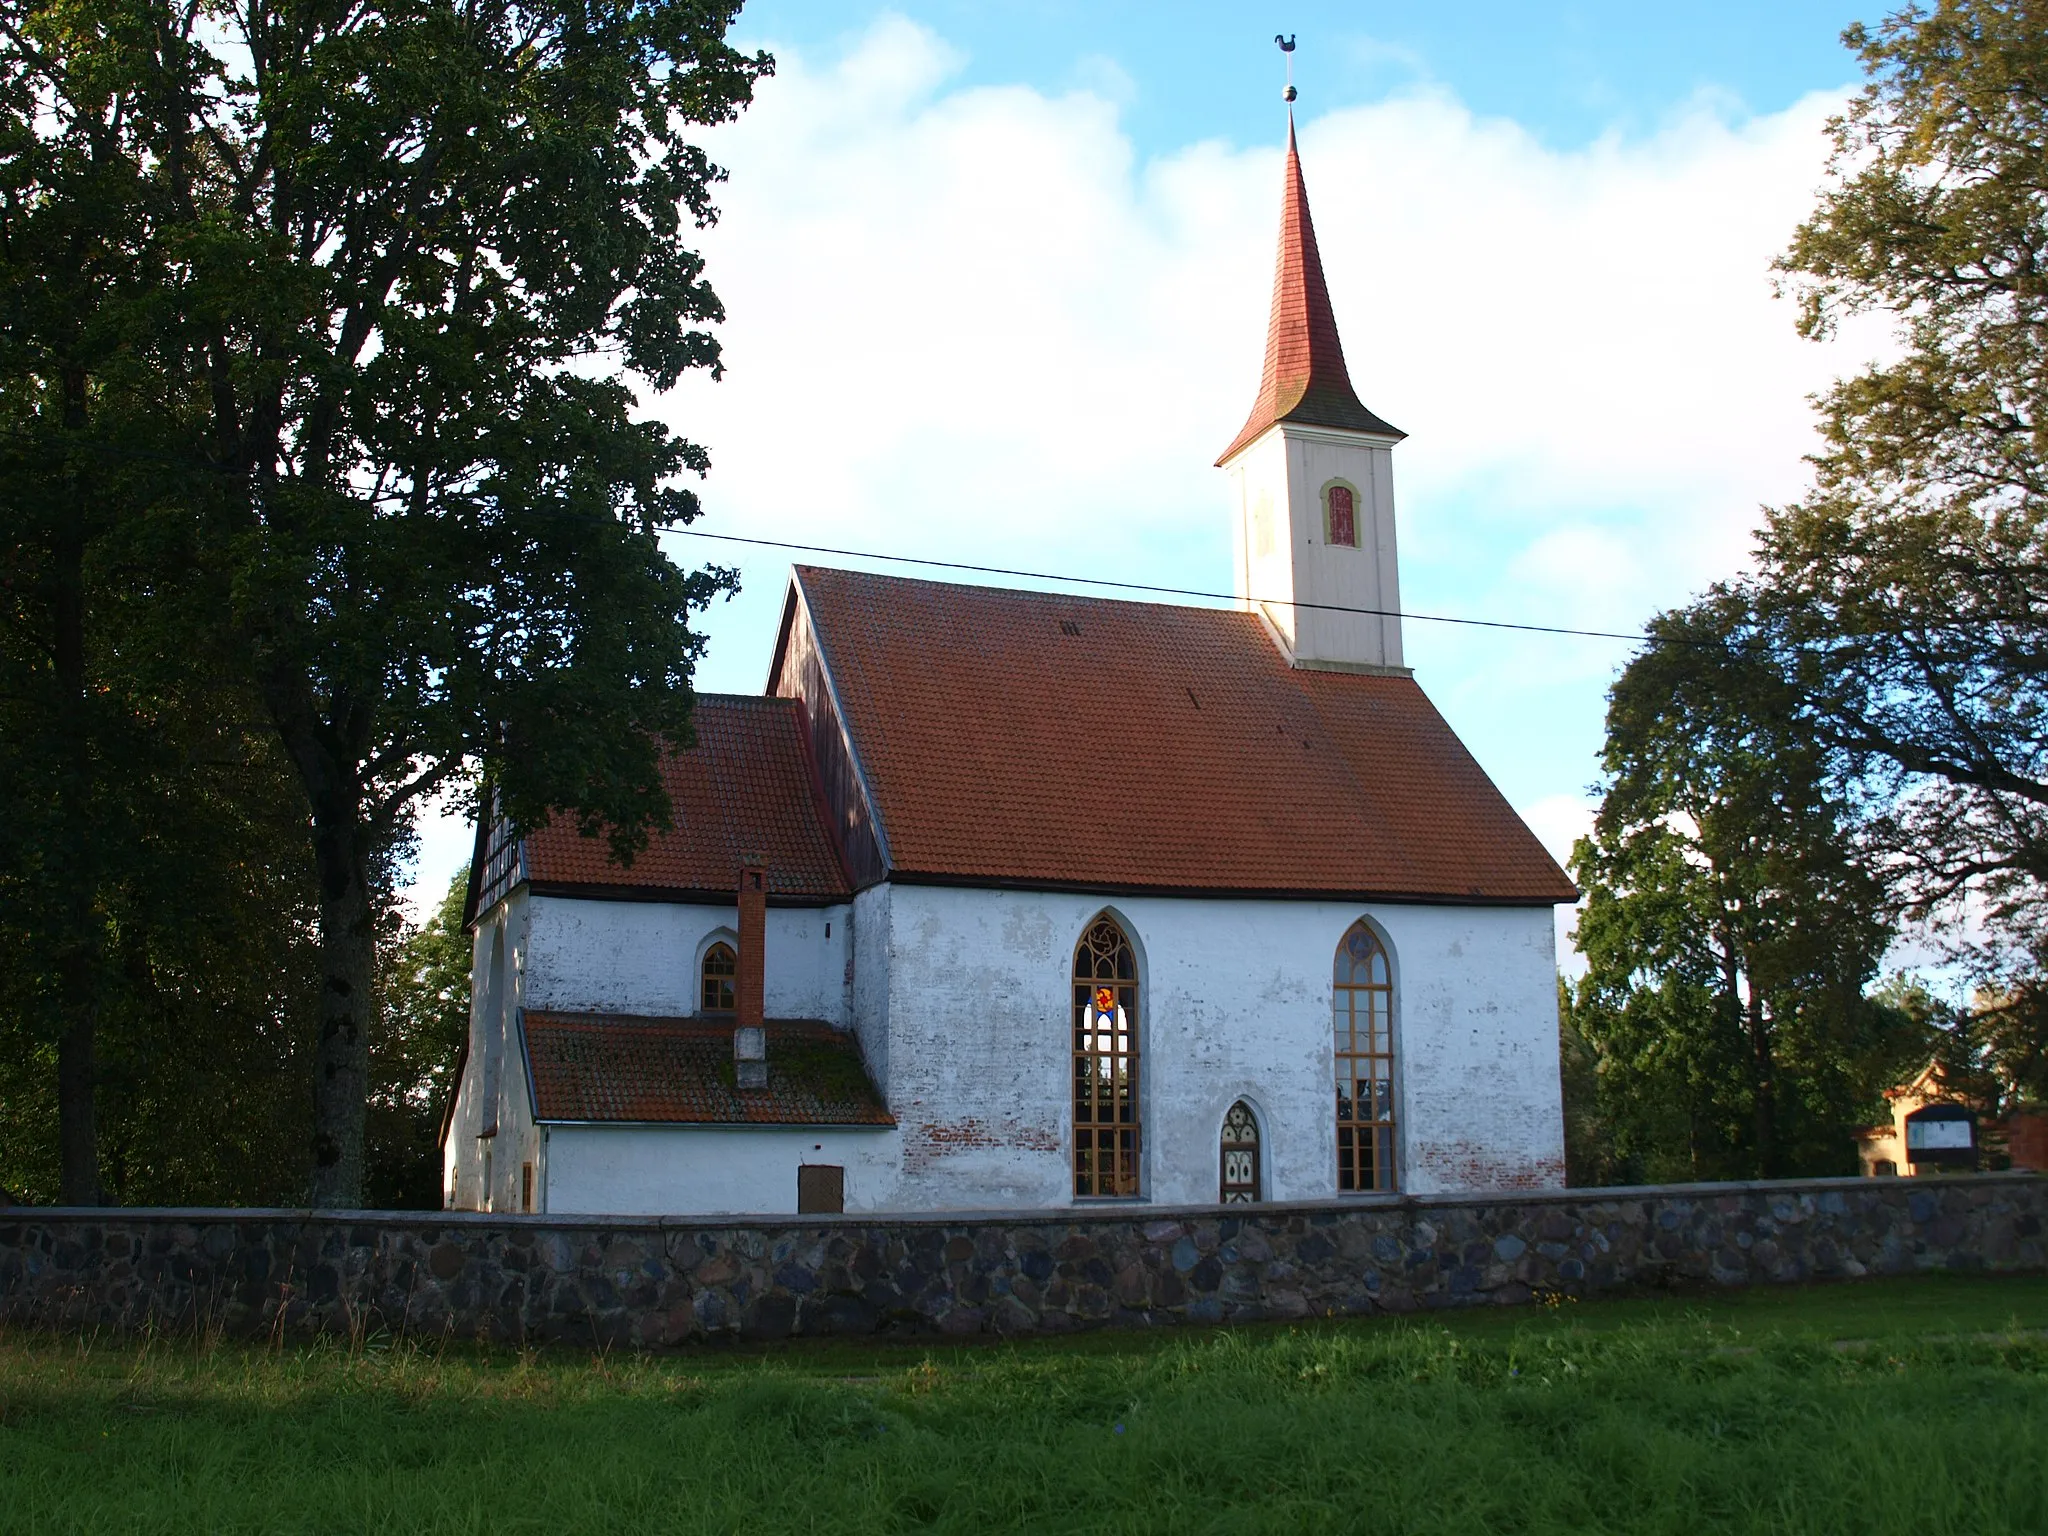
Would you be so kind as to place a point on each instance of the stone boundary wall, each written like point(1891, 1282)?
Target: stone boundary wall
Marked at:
point(647, 1282)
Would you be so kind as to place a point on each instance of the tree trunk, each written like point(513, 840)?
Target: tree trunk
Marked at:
point(328, 771)
point(78, 956)
point(341, 1062)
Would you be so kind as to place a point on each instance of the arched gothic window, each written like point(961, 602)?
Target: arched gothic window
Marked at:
point(1105, 1062)
point(1364, 1008)
point(1240, 1184)
point(721, 971)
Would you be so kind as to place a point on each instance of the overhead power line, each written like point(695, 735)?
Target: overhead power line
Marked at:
point(1636, 638)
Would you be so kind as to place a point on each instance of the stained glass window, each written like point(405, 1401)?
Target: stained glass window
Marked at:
point(1105, 1062)
point(1343, 504)
point(1364, 1007)
point(1240, 1185)
point(721, 970)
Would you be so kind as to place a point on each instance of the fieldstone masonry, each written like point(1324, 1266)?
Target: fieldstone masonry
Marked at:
point(663, 1282)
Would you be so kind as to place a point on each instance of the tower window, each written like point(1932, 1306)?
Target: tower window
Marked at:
point(721, 971)
point(1340, 514)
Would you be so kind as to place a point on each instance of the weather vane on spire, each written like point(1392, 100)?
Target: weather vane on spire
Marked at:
point(1286, 43)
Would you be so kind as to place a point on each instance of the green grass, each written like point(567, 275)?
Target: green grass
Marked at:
point(1914, 1406)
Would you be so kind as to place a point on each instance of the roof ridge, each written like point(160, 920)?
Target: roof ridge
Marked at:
point(1304, 379)
point(1025, 592)
point(751, 699)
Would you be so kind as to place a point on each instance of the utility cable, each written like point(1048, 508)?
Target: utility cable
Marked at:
point(1140, 586)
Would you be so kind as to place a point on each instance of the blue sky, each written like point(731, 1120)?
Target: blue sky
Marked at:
point(1569, 73)
point(997, 275)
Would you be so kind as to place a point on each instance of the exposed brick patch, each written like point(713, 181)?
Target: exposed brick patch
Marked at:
point(1480, 1167)
point(934, 1140)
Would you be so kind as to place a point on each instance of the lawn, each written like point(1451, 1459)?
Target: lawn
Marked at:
point(1888, 1406)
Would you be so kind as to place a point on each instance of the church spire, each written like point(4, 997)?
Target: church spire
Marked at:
point(1305, 380)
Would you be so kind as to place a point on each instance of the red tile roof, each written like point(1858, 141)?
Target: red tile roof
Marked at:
point(1038, 739)
point(608, 1067)
point(746, 786)
point(1305, 378)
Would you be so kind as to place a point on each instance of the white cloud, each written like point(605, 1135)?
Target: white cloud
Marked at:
point(969, 322)
point(1558, 822)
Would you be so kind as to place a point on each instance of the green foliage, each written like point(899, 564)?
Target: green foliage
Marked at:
point(155, 888)
point(2007, 1031)
point(1589, 1156)
point(423, 1026)
point(335, 318)
point(1686, 1417)
point(203, 977)
point(1854, 735)
point(1903, 598)
point(1729, 931)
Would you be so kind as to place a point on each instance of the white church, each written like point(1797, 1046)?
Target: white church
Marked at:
point(1002, 900)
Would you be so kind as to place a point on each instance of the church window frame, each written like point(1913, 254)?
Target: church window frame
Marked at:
point(718, 974)
point(1240, 1172)
point(1342, 504)
point(1106, 1063)
point(1362, 1025)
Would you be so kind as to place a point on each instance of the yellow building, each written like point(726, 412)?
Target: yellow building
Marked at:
point(1928, 1132)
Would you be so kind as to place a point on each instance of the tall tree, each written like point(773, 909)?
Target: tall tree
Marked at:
point(402, 269)
point(202, 972)
point(76, 735)
point(1906, 597)
point(1729, 932)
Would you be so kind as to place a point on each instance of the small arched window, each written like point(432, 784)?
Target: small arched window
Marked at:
point(721, 970)
point(1240, 1184)
point(1340, 514)
point(1363, 1004)
point(1105, 1062)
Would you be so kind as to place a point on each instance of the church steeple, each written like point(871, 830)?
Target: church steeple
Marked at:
point(1313, 473)
point(1305, 378)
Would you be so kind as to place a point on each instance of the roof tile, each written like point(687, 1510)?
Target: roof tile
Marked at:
point(745, 787)
point(1038, 738)
point(1305, 379)
point(610, 1067)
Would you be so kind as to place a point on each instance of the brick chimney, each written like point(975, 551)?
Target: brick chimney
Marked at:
point(749, 1036)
